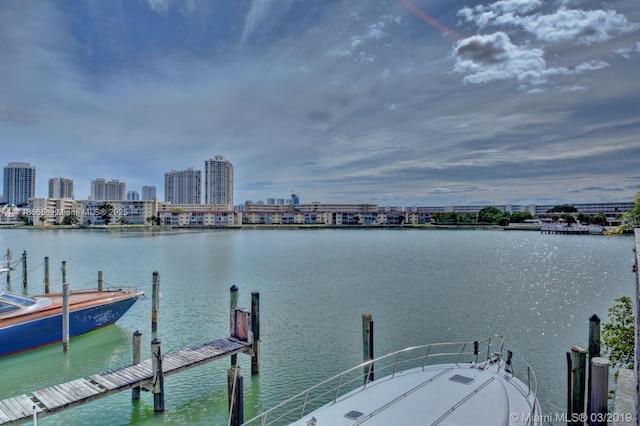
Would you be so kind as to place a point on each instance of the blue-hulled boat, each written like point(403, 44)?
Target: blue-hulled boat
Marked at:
point(28, 322)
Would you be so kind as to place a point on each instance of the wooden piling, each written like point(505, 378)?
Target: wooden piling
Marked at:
point(158, 376)
point(578, 369)
point(100, 280)
point(233, 304)
point(569, 391)
point(236, 396)
point(155, 301)
point(46, 275)
point(137, 350)
point(367, 346)
point(255, 330)
point(9, 269)
point(64, 271)
point(594, 352)
point(599, 391)
point(65, 317)
point(24, 272)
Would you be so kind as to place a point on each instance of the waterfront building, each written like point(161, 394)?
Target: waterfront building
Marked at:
point(19, 183)
point(218, 181)
point(372, 214)
point(114, 190)
point(198, 215)
point(124, 212)
point(182, 187)
point(133, 195)
point(53, 211)
point(60, 187)
point(148, 192)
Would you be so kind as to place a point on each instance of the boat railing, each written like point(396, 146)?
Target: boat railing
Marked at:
point(483, 353)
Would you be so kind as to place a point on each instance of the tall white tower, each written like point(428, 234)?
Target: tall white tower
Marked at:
point(60, 187)
point(218, 181)
point(182, 187)
point(19, 183)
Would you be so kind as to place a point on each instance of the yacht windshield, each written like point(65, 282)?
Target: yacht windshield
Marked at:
point(10, 302)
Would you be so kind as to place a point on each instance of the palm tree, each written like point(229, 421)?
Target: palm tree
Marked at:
point(105, 211)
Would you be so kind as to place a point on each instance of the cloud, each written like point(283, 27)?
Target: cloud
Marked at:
point(606, 188)
point(162, 7)
point(497, 57)
point(494, 57)
point(584, 26)
point(590, 66)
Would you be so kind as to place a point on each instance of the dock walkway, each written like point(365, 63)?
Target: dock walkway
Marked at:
point(66, 395)
point(561, 229)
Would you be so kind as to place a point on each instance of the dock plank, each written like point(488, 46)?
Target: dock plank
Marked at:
point(20, 407)
point(7, 408)
point(28, 403)
point(4, 418)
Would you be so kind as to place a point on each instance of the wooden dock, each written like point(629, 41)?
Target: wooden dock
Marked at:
point(571, 230)
point(66, 395)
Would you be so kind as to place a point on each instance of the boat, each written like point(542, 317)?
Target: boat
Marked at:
point(454, 383)
point(28, 322)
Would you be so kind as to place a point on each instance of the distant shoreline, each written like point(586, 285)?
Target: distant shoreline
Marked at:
point(426, 227)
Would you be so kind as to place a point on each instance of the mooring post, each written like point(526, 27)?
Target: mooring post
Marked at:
point(64, 271)
point(236, 395)
point(233, 304)
point(594, 352)
point(578, 368)
point(24, 271)
point(46, 274)
point(137, 349)
point(255, 330)
point(599, 391)
point(100, 280)
point(9, 269)
point(65, 317)
point(367, 346)
point(569, 390)
point(155, 301)
point(158, 376)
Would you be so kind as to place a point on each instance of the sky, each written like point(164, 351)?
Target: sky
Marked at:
point(394, 102)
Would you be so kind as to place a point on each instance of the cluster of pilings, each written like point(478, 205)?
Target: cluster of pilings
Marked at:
point(244, 326)
point(47, 279)
point(588, 382)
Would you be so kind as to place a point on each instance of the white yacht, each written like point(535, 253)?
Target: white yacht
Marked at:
point(456, 383)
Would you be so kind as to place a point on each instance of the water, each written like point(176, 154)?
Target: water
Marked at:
point(421, 287)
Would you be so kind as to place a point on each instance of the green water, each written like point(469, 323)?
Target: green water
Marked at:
point(421, 287)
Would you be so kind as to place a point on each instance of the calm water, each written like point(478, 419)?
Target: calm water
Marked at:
point(421, 287)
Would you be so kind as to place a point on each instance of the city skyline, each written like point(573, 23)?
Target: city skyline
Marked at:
point(407, 102)
point(114, 186)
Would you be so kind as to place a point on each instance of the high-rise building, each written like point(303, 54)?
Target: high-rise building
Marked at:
point(182, 187)
point(61, 188)
point(133, 195)
point(114, 190)
point(148, 192)
point(218, 181)
point(19, 183)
